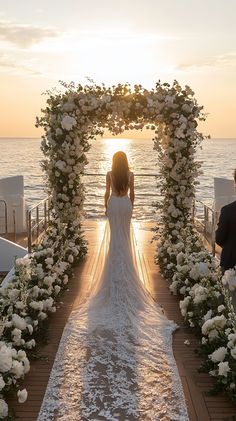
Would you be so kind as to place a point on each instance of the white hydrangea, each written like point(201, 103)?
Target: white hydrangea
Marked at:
point(3, 409)
point(18, 322)
point(5, 358)
point(68, 122)
point(219, 354)
point(229, 278)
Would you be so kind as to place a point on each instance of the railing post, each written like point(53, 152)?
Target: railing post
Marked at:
point(45, 215)
point(29, 231)
point(205, 218)
point(37, 222)
point(213, 244)
point(14, 224)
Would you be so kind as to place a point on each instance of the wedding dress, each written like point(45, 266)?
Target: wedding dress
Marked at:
point(115, 359)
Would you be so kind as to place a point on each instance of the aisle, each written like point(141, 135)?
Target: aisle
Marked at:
point(200, 407)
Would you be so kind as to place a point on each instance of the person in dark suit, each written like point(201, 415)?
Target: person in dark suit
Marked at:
point(226, 234)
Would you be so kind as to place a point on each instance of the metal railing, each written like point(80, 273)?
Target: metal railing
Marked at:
point(5, 214)
point(38, 217)
point(136, 175)
point(208, 222)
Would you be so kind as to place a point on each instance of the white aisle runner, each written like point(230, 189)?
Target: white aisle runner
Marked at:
point(115, 359)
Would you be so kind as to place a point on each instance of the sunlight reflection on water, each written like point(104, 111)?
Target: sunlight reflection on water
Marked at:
point(22, 156)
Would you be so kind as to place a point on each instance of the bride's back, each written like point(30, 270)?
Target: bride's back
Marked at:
point(125, 190)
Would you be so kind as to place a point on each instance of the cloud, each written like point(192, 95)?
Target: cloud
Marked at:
point(224, 60)
point(6, 63)
point(24, 36)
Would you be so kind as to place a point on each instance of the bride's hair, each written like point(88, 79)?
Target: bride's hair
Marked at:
point(120, 171)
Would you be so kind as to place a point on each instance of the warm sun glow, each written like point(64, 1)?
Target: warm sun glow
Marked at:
point(116, 42)
point(113, 145)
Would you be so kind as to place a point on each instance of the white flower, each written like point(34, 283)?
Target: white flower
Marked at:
point(219, 354)
point(13, 294)
point(221, 308)
point(49, 261)
point(36, 305)
point(207, 315)
point(59, 132)
point(3, 409)
point(2, 383)
point(213, 334)
point(21, 354)
point(30, 344)
point(223, 368)
point(16, 334)
point(22, 395)
point(230, 279)
point(174, 287)
point(65, 279)
point(68, 122)
point(233, 352)
point(216, 322)
point(19, 322)
point(5, 359)
point(57, 289)
point(48, 303)
point(199, 270)
point(180, 258)
point(17, 369)
point(42, 315)
point(187, 342)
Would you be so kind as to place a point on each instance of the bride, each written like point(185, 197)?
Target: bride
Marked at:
point(115, 359)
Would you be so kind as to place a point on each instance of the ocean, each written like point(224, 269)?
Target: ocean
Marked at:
point(22, 156)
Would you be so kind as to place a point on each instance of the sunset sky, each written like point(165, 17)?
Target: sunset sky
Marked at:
point(111, 41)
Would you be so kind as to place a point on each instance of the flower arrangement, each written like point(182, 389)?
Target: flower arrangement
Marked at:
point(73, 117)
point(27, 301)
point(206, 306)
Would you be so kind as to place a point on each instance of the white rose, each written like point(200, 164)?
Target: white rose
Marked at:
point(233, 352)
point(219, 354)
point(70, 258)
point(2, 383)
point(5, 359)
point(22, 395)
point(17, 369)
point(3, 409)
point(68, 122)
point(223, 368)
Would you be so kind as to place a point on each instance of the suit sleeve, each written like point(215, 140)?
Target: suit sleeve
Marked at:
point(223, 228)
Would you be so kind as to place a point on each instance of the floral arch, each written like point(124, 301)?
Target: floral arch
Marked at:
point(77, 114)
point(73, 117)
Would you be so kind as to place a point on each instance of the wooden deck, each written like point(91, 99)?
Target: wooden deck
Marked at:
point(200, 406)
